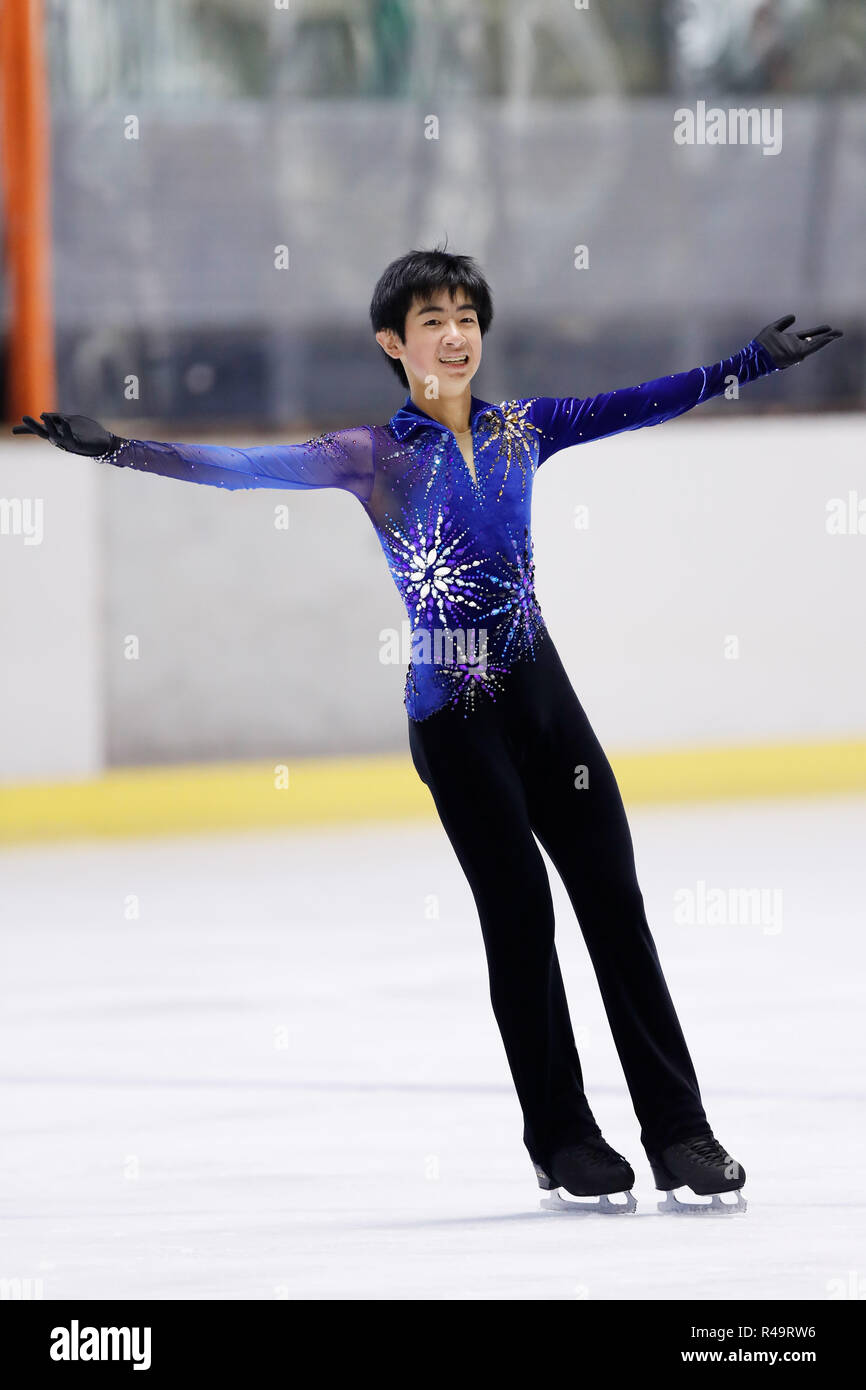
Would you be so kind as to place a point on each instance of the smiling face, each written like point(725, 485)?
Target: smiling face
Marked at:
point(443, 341)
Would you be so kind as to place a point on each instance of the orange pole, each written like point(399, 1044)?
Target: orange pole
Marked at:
point(27, 208)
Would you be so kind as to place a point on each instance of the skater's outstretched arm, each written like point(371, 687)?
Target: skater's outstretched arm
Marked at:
point(564, 421)
point(341, 459)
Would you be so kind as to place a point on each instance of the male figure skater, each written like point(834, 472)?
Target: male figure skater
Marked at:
point(495, 729)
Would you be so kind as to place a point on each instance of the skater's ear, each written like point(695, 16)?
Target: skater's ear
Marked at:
point(391, 342)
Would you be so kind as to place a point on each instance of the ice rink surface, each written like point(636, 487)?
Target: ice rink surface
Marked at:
point(265, 1066)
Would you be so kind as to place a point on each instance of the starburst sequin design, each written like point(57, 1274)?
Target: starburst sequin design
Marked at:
point(512, 434)
point(426, 463)
point(465, 684)
point(437, 569)
point(523, 622)
point(472, 685)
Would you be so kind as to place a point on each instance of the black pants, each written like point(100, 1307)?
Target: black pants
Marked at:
point(507, 773)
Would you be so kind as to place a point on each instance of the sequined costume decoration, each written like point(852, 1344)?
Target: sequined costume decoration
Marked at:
point(459, 548)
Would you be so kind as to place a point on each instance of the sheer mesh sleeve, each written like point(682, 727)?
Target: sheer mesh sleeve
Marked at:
point(342, 459)
point(562, 422)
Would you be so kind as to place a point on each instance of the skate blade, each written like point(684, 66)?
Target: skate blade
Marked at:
point(602, 1204)
point(715, 1206)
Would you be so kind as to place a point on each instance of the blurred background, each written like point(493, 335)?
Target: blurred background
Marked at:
point(157, 163)
point(159, 160)
point(261, 1062)
point(174, 152)
point(306, 126)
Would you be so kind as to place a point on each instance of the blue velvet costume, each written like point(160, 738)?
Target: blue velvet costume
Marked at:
point(459, 551)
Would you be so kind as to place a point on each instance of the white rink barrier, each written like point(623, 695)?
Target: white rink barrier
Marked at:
point(703, 581)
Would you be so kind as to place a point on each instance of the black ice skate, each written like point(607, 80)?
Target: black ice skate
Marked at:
point(704, 1166)
point(588, 1168)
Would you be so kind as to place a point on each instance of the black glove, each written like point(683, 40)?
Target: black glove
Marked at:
point(77, 434)
point(788, 348)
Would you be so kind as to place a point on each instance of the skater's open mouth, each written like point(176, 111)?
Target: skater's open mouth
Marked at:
point(455, 361)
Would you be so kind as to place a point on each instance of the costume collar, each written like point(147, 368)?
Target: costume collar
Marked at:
point(410, 417)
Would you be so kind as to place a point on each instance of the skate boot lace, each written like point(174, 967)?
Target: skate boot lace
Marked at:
point(599, 1152)
point(708, 1151)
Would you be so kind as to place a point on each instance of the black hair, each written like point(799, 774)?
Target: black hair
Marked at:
point(422, 273)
